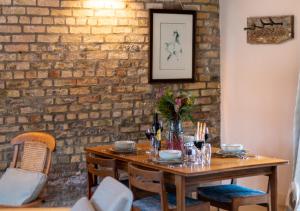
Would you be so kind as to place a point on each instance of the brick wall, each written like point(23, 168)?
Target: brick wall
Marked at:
point(79, 70)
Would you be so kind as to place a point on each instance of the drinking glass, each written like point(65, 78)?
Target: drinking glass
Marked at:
point(199, 158)
point(190, 152)
point(199, 144)
point(155, 146)
point(150, 135)
point(206, 154)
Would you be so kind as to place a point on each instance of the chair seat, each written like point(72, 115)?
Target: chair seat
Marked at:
point(152, 203)
point(225, 193)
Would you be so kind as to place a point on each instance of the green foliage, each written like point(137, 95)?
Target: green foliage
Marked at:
point(175, 108)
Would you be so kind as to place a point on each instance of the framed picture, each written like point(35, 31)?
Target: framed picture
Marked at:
point(172, 45)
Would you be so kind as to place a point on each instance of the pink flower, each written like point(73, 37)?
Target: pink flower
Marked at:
point(178, 102)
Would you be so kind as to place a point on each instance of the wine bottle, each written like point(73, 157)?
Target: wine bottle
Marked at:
point(156, 126)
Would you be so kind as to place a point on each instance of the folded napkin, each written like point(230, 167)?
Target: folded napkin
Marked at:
point(242, 154)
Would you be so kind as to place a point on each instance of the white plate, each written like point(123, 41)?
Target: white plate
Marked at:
point(170, 154)
point(124, 145)
point(232, 147)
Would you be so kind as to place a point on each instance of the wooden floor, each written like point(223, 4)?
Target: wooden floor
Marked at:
point(36, 209)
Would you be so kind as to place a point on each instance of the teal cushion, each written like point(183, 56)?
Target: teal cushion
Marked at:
point(225, 193)
point(152, 203)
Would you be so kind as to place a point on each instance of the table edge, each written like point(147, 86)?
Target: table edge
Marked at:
point(280, 162)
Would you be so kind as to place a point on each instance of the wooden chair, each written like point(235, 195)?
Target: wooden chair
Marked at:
point(36, 156)
point(232, 196)
point(99, 167)
point(153, 181)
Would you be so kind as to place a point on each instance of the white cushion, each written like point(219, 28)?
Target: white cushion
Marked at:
point(83, 204)
point(19, 186)
point(111, 195)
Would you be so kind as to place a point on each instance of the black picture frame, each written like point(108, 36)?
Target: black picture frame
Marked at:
point(191, 71)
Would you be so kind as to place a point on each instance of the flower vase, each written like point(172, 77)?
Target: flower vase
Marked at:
point(175, 136)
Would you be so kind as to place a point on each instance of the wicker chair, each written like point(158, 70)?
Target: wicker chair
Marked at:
point(36, 156)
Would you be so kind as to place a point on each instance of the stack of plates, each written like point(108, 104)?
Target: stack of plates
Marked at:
point(169, 157)
point(170, 154)
point(232, 150)
point(124, 147)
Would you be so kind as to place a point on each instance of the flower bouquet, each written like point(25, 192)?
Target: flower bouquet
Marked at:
point(175, 109)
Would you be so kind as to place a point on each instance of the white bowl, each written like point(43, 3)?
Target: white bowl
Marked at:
point(170, 154)
point(189, 138)
point(232, 147)
point(124, 145)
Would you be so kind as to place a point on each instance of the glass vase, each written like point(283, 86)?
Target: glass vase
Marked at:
point(175, 136)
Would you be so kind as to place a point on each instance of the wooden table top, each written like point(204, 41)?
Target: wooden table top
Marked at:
point(217, 164)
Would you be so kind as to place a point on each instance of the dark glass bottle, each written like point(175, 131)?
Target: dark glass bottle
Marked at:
point(157, 129)
point(155, 124)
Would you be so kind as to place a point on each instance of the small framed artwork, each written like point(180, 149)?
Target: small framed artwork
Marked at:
point(172, 45)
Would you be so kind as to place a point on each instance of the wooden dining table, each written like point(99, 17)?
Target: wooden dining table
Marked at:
point(184, 176)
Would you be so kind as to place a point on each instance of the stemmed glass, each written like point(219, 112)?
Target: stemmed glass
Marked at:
point(161, 125)
point(154, 146)
point(149, 133)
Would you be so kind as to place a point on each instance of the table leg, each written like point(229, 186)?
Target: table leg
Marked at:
point(180, 192)
point(273, 188)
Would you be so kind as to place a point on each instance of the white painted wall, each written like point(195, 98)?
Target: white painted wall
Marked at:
point(259, 85)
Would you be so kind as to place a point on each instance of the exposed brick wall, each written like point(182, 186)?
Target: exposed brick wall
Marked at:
point(80, 72)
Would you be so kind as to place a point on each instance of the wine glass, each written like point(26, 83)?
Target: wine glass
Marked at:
point(150, 135)
point(161, 125)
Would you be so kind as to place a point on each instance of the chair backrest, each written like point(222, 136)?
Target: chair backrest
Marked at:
point(37, 151)
point(101, 167)
point(111, 195)
point(148, 180)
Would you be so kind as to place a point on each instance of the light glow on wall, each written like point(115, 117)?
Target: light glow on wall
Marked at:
point(106, 4)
